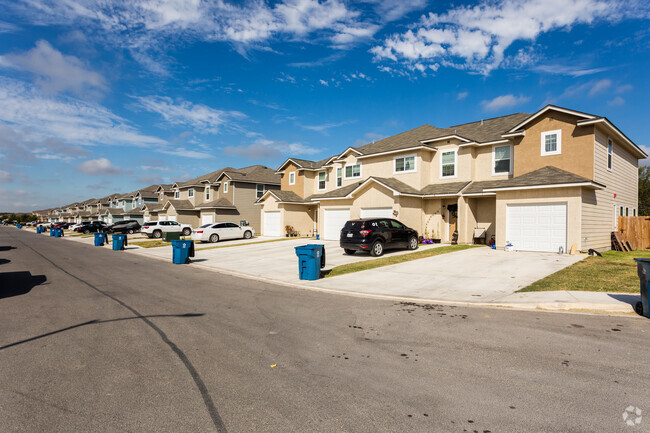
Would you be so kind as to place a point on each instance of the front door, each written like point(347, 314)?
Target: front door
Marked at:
point(452, 222)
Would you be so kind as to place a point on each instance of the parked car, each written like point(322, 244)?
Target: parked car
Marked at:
point(376, 235)
point(91, 227)
point(221, 231)
point(75, 226)
point(126, 226)
point(61, 225)
point(47, 225)
point(155, 229)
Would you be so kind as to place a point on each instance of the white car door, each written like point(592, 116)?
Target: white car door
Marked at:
point(234, 232)
point(220, 230)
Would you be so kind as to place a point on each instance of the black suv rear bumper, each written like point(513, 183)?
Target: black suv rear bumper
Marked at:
point(357, 246)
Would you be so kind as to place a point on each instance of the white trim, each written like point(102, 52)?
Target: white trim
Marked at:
point(514, 134)
point(177, 194)
point(257, 185)
point(610, 142)
point(190, 192)
point(339, 156)
point(487, 143)
point(446, 137)
point(616, 131)
point(339, 177)
point(455, 151)
point(318, 188)
point(345, 175)
point(494, 160)
point(294, 178)
point(558, 185)
point(206, 193)
point(544, 110)
point(412, 170)
point(225, 187)
point(558, 141)
point(389, 152)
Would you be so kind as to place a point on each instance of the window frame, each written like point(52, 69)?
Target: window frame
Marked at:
point(610, 154)
point(494, 160)
point(292, 174)
point(412, 170)
point(558, 149)
point(190, 193)
point(345, 174)
point(257, 190)
point(206, 193)
point(177, 194)
point(225, 187)
point(318, 181)
point(455, 152)
point(339, 177)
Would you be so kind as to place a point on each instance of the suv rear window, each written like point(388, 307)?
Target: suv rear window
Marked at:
point(151, 223)
point(354, 225)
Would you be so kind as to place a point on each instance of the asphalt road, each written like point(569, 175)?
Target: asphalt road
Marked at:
point(97, 340)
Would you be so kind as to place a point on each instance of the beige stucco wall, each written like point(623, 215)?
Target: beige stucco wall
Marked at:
point(299, 186)
point(577, 146)
point(483, 161)
point(464, 163)
point(299, 216)
point(571, 196)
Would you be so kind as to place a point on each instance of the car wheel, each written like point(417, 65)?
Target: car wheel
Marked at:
point(187, 232)
point(248, 234)
point(214, 238)
point(130, 231)
point(86, 231)
point(349, 252)
point(157, 234)
point(377, 249)
point(413, 243)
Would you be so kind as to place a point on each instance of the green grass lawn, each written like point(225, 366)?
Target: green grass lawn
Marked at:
point(392, 260)
point(151, 244)
point(615, 271)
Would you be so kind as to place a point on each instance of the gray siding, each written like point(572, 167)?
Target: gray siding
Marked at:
point(598, 218)
point(245, 198)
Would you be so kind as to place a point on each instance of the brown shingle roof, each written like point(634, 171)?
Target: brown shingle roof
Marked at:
point(483, 131)
point(404, 140)
point(478, 187)
point(181, 204)
point(222, 203)
point(339, 192)
point(255, 173)
point(397, 185)
point(206, 178)
point(443, 188)
point(544, 176)
point(288, 196)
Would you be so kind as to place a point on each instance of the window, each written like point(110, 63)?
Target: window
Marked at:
point(322, 180)
point(352, 171)
point(634, 212)
point(448, 164)
point(177, 194)
point(207, 193)
point(502, 160)
point(396, 225)
point(260, 190)
point(405, 164)
point(225, 187)
point(162, 196)
point(292, 178)
point(552, 142)
point(190, 192)
point(610, 154)
point(627, 211)
point(621, 211)
point(339, 177)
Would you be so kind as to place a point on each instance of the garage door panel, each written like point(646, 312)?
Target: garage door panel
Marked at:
point(333, 222)
point(537, 227)
point(380, 212)
point(272, 224)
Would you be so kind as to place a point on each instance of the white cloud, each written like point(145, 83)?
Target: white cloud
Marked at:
point(476, 37)
point(198, 116)
point(324, 126)
point(504, 101)
point(99, 167)
point(263, 148)
point(55, 71)
point(38, 117)
point(6, 27)
point(461, 96)
point(617, 101)
point(186, 153)
point(5, 176)
point(324, 83)
point(599, 86)
point(573, 71)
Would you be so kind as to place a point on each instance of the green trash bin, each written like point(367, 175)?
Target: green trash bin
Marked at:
point(171, 236)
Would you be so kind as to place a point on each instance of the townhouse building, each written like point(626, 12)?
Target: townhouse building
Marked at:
point(543, 182)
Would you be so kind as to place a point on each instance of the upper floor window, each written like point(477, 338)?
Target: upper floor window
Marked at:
point(162, 196)
point(322, 180)
point(225, 187)
point(448, 164)
point(177, 194)
point(260, 190)
point(207, 193)
point(502, 160)
point(190, 192)
point(352, 171)
point(405, 164)
point(610, 154)
point(339, 177)
point(292, 178)
point(552, 142)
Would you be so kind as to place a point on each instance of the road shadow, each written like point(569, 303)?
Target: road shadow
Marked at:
point(4, 261)
point(6, 248)
point(628, 299)
point(198, 260)
point(18, 283)
point(96, 322)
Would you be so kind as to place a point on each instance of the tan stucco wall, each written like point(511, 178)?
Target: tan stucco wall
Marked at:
point(571, 196)
point(483, 157)
point(577, 146)
point(299, 216)
point(299, 186)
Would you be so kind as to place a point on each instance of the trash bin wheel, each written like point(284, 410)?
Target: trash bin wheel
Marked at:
point(187, 232)
point(377, 249)
point(349, 252)
point(639, 308)
point(214, 238)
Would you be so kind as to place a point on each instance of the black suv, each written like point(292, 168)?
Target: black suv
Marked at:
point(126, 226)
point(376, 235)
point(91, 227)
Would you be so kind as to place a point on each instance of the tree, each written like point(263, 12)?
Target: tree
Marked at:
point(644, 191)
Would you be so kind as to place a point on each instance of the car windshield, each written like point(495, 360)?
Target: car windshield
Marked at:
point(205, 226)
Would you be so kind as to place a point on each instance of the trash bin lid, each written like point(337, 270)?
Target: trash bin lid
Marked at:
point(642, 260)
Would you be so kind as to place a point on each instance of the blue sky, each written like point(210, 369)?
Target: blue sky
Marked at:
point(98, 97)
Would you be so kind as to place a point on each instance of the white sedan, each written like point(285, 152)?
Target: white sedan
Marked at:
point(220, 231)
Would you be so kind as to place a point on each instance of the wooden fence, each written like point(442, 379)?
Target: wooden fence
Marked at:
point(636, 231)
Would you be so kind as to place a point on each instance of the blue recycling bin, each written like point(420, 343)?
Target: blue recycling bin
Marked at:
point(58, 233)
point(38, 229)
point(18, 226)
point(182, 251)
point(119, 242)
point(100, 239)
point(643, 270)
point(51, 232)
point(311, 258)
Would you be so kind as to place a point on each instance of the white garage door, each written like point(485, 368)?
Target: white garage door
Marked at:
point(537, 227)
point(377, 212)
point(162, 218)
point(272, 224)
point(333, 222)
point(171, 218)
point(207, 219)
